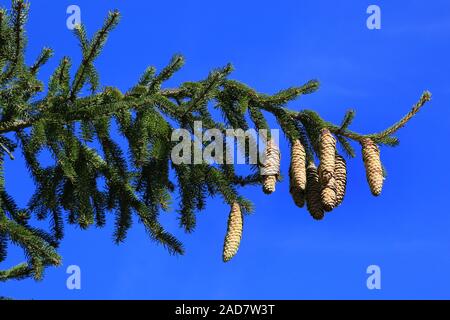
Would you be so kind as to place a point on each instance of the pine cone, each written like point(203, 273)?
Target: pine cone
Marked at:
point(297, 173)
point(298, 196)
point(328, 195)
point(372, 162)
point(234, 233)
point(298, 165)
point(271, 167)
point(313, 196)
point(327, 155)
point(269, 184)
point(340, 174)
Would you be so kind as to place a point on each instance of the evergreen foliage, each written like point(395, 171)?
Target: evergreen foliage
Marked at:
point(84, 184)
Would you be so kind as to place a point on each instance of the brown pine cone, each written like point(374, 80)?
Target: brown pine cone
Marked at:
point(271, 167)
point(298, 165)
point(269, 183)
point(234, 233)
point(340, 174)
point(297, 173)
point(328, 195)
point(372, 162)
point(313, 192)
point(298, 196)
point(327, 155)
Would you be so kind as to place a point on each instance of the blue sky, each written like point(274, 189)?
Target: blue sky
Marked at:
point(284, 253)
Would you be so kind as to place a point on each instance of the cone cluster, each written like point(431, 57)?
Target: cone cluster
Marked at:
point(234, 233)
point(326, 185)
point(297, 173)
point(372, 163)
point(271, 167)
point(321, 188)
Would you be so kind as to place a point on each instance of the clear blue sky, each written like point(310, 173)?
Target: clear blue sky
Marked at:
point(284, 253)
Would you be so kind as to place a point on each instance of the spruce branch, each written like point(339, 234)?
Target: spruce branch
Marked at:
point(348, 118)
point(139, 178)
point(18, 272)
point(175, 64)
point(44, 56)
point(212, 82)
point(91, 50)
point(18, 18)
point(426, 96)
point(382, 137)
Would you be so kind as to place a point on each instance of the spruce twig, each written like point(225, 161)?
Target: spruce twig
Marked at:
point(11, 156)
point(380, 137)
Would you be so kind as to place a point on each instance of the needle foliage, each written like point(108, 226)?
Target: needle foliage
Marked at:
point(84, 183)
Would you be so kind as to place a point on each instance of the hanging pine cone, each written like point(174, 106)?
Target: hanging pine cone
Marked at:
point(328, 195)
point(297, 173)
point(372, 162)
point(313, 196)
point(269, 183)
point(298, 165)
point(271, 167)
point(327, 155)
point(298, 196)
point(326, 169)
point(340, 174)
point(234, 233)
